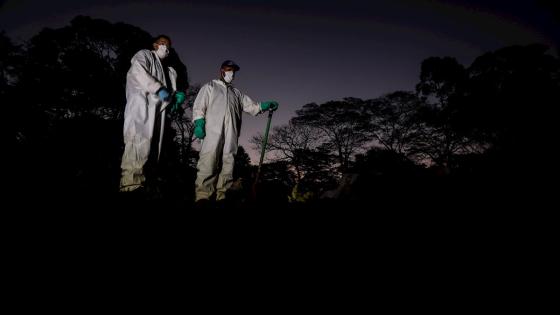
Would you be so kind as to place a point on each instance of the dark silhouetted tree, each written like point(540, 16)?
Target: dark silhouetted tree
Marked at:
point(514, 92)
point(80, 69)
point(342, 123)
point(290, 143)
point(395, 122)
point(300, 147)
point(443, 88)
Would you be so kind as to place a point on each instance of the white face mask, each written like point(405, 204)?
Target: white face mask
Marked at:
point(162, 51)
point(228, 76)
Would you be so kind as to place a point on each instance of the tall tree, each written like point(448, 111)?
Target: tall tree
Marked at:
point(395, 122)
point(443, 87)
point(342, 123)
point(514, 92)
point(80, 69)
point(291, 143)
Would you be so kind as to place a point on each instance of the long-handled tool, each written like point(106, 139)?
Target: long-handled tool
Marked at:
point(263, 150)
point(164, 105)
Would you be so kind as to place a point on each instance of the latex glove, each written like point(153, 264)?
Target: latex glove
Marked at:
point(199, 128)
point(163, 94)
point(179, 99)
point(269, 105)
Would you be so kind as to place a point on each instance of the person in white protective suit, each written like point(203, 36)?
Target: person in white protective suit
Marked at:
point(150, 88)
point(217, 118)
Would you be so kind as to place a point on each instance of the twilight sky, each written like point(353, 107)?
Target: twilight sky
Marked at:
point(297, 52)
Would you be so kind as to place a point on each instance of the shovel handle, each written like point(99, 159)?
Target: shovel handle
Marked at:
point(265, 142)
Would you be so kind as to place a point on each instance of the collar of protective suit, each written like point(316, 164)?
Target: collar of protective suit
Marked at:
point(220, 81)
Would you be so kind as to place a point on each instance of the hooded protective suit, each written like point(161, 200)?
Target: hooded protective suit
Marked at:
point(221, 105)
point(144, 78)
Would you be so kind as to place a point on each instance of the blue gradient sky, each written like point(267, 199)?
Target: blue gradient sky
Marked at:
point(299, 52)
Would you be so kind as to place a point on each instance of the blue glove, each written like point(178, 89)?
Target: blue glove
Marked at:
point(163, 94)
point(199, 128)
point(269, 105)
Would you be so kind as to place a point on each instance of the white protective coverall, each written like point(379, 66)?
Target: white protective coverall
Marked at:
point(144, 78)
point(221, 106)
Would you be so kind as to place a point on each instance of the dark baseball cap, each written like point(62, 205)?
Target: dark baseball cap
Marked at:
point(230, 63)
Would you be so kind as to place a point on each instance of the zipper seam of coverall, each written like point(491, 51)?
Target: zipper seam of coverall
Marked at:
point(227, 113)
point(160, 102)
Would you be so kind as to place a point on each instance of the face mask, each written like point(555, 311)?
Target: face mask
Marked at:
point(162, 52)
point(228, 76)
